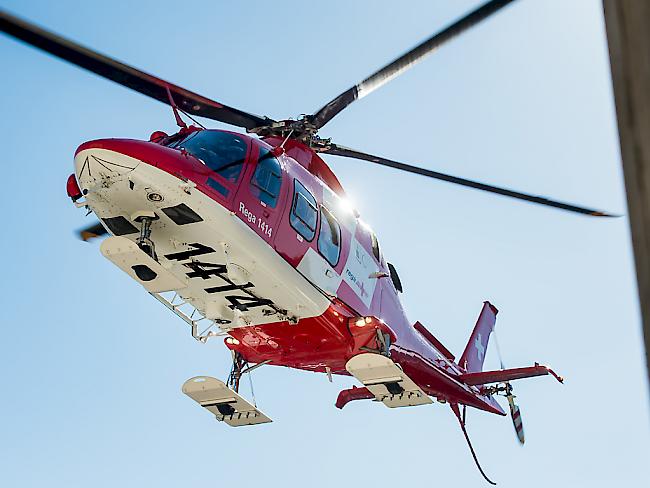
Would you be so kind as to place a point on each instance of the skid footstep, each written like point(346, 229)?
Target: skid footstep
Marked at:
point(386, 381)
point(226, 405)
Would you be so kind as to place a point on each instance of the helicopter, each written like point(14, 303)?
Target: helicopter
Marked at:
point(249, 237)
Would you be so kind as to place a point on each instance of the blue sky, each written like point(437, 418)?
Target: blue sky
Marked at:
point(92, 366)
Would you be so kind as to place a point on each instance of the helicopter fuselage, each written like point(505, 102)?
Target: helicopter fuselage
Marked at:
point(289, 271)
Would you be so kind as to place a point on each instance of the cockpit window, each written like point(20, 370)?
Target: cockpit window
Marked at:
point(222, 152)
point(267, 179)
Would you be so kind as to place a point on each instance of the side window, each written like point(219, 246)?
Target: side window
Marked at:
point(395, 278)
point(267, 179)
point(329, 237)
point(304, 215)
point(375, 247)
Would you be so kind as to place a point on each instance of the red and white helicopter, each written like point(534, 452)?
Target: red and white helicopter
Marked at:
point(250, 237)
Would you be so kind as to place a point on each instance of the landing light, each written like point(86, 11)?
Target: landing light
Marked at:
point(361, 321)
point(232, 341)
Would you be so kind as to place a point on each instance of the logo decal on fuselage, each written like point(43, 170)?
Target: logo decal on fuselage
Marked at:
point(256, 220)
point(480, 348)
point(357, 273)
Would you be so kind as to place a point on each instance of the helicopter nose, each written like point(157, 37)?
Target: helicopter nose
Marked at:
point(104, 160)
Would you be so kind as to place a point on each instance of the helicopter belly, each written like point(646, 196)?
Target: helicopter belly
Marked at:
point(223, 268)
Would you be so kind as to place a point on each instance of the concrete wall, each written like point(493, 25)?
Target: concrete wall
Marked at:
point(628, 33)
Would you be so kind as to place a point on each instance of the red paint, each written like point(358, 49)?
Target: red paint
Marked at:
point(72, 187)
point(502, 375)
point(277, 151)
point(351, 394)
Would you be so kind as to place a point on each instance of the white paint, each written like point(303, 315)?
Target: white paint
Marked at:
point(375, 370)
point(480, 348)
point(356, 273)
point(125, 254)
point(317, 270)
point(210, 392)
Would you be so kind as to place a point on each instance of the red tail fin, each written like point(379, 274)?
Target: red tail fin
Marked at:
point(474, 354)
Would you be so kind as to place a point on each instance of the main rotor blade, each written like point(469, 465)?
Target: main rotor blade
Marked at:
point(126, 75)
point(336, 150)
point(404, 62)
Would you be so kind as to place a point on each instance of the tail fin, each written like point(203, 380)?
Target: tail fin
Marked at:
point(474, 354)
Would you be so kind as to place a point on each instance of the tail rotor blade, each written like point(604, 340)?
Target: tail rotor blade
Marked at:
point(515, 415)
point(92, 232)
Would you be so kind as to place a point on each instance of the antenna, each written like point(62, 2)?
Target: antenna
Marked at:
point(177, 116)
point(278, 150)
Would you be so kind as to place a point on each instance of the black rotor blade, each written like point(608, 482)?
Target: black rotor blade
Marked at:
point(404, 62)
point(92, 231)
point(126, 75)
point(336, 150)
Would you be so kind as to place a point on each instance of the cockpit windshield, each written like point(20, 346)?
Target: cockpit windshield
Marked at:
point(222, 152)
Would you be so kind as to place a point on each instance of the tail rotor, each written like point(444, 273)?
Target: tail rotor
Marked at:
point(515, 414)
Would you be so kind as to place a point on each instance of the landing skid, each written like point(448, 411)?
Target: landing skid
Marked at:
point(127, 256)
point(226, 405)
point(386, 380)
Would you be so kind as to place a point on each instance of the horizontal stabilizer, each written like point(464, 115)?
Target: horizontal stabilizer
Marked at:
point(503, 375)
point(351, 394)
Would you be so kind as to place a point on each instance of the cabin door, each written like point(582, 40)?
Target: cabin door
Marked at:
point(261, 195)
